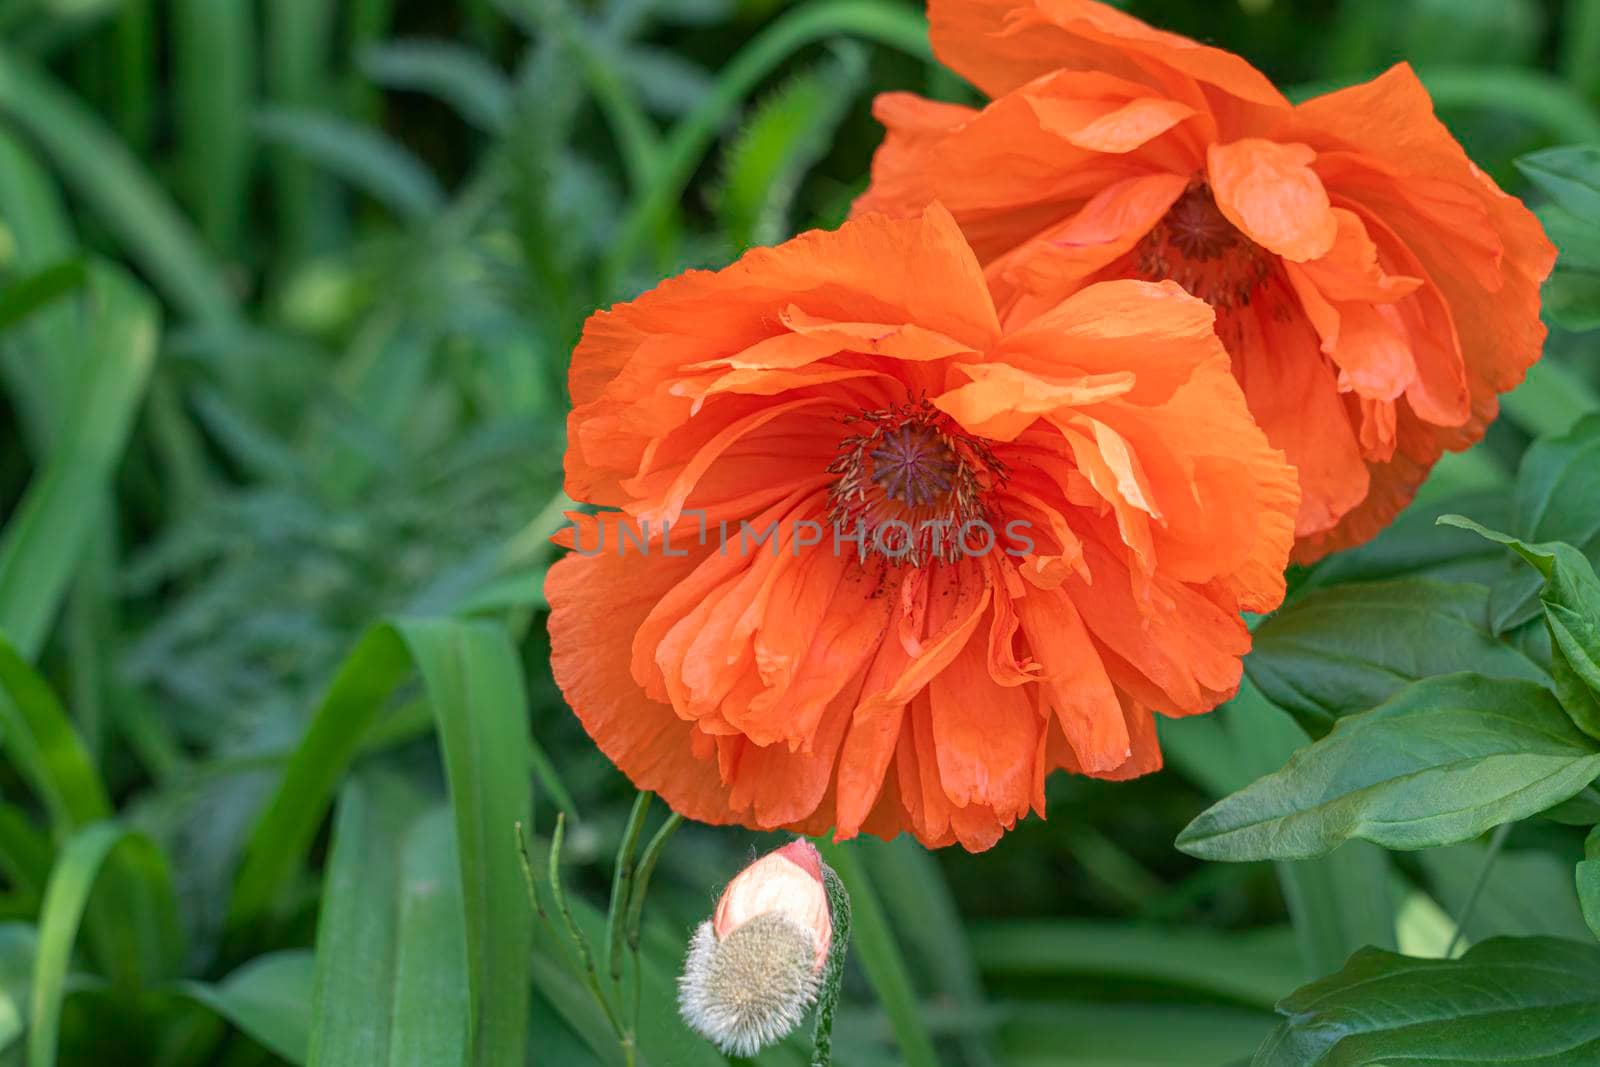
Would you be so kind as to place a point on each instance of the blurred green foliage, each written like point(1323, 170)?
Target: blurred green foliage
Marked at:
point(287, 290)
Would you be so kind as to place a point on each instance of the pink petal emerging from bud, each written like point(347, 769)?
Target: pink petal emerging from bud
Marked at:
point(789, 881)
point(754, 970)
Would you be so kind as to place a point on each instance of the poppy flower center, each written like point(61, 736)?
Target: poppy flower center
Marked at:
point(908, 484)
point(1196, 246)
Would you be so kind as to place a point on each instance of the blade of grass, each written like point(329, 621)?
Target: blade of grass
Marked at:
point(1339, 902)
point(474, 686)
point(875, 947)
point(214, 77)
point(26, 295)
point(101, 170)
point(66, 898)
point(283, 834)
point(687, 143)
point(926, 919)
point(357, 154)
point(268, 998)
point(42, 745)
point(41, 544)
point(459, 76)
point(1580, 47)
point(431, 1001)
point(133, 926)
point(298, 37)
point(352, 996)
point(43, 357)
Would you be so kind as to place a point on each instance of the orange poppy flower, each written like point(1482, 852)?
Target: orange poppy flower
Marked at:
point(1375, 289)
point(879, 563)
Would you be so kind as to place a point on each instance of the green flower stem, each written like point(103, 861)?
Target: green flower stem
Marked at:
point(833, 971)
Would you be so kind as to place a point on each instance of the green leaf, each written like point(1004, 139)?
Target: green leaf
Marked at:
point(391, 983)
point(694, 133)
point(453, 73)
point(1588, 878)
point(41, 544)
point(880, 957)
point(1262, 964)
point(1571, 601)
point(1414, 546)
point(1338, 902)
point(214, 78)
point(66, 898)
point(106, 175)
point(1526, 891)
point(268, 998)
point(361, 156)
point(26, 295)
point(133, 925)
point(1347, 648)
point(353, 999)
point(1556, 486)
point(1087, 1031)
point(927, 921)
point(1444, 760)
point(474, 687)
point(1569, 174)
point(1532, 1000)
point(42, 744)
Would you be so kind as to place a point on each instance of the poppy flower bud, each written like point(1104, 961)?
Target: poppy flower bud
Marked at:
point(754, 968)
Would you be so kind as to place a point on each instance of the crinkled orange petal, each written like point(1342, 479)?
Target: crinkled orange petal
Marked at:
point(726, 649)
point(999, 45)
point(1271, 193)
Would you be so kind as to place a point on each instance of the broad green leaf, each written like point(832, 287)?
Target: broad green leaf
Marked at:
point(41, 357)
point(1569, 174)
point(474, 687)
point(1571, 602)
point(1347, 648)
point(1556, 486)
point(1588, 877)
point(268, 998)
point(1530, 1000)
point(42, 541)
point(1442, 761)
point(361, 156)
